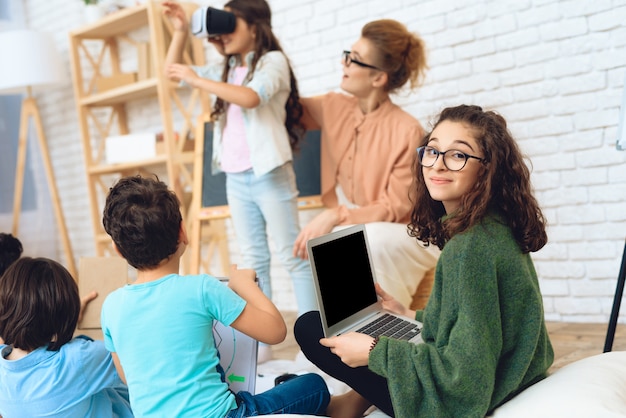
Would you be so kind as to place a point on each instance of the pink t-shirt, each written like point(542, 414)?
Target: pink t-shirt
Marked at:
point(235, 150)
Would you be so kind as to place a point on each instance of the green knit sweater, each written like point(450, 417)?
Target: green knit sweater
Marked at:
point(484, 331)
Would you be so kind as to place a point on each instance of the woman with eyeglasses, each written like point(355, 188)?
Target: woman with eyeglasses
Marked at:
point(484, 335)
point(368, 144)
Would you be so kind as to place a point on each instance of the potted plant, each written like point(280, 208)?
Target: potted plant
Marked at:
point(93, 11)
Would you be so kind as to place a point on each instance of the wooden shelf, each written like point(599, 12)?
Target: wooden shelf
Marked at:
point(115, 24)
point(96, 51)
point(121, 167)
point(123, 94)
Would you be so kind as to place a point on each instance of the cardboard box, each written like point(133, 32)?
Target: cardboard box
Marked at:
point(116, 80)
point(129, 148)
point(104, 275)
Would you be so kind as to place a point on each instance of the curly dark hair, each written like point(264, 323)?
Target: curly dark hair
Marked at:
point(39, 304)
point(257, 13)
point(503, 185)
point(10, 250)
point(143, 218)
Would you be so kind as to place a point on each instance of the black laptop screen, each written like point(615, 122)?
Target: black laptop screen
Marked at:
point(345, 276)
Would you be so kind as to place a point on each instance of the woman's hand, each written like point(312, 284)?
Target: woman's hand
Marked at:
point(352, 348)
point(320, 225)
point(177, 16)
point(392, 305)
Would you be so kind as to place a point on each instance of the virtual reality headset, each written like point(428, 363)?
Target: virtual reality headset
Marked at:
point(208, 21)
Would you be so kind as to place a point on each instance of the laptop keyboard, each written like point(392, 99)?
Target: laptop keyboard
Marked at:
point(391, 326)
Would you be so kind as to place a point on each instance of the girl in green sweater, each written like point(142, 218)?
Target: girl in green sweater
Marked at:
point(484, 333)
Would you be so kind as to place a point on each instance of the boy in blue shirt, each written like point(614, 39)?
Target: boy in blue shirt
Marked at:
point(159, 329)
point(44, 372)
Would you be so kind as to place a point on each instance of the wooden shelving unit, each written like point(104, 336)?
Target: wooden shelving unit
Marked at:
point(97, 52)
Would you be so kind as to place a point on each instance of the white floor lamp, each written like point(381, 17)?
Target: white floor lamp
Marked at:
point(30, 60)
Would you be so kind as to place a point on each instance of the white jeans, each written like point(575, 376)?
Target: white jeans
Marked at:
point(400, 261)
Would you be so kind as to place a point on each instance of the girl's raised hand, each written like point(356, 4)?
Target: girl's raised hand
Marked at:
point(177, 15)
point(178, 72)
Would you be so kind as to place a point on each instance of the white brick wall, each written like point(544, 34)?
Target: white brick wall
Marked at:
point(554, 69)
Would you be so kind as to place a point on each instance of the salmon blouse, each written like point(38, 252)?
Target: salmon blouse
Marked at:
point(369, 155)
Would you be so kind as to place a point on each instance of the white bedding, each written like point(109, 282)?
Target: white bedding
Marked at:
point(591, 387)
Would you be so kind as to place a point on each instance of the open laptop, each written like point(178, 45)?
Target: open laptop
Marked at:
point(344, 279)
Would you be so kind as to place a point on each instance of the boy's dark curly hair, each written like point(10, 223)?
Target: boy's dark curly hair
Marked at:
point(143, 218)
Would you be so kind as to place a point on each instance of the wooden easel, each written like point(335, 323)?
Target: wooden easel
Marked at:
point(617, 301)
point(30, 110)
point(208, 222)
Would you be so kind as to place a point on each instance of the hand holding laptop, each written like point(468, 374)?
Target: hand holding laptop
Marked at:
point(352, 348)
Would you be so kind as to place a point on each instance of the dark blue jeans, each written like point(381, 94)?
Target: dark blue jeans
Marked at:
point(308, 331)
point(303, 395)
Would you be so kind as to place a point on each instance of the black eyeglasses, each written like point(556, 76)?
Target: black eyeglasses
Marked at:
point(349, 60)
point(453, 159)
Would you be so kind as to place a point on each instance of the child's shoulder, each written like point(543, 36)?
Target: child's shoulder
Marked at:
point(83, 343)
point(273, 57)
point(199, 281)
point(81, 351)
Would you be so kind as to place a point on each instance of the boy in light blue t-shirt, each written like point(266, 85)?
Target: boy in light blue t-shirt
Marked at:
point(44, 372)
point(159, 329)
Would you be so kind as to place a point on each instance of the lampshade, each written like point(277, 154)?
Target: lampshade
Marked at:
point(29, 58)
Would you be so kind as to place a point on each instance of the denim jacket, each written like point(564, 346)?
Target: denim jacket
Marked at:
point(266, 134)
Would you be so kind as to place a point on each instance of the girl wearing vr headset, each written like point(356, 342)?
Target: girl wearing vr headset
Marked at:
point(257, 124)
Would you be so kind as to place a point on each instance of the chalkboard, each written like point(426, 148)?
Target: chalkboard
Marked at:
point(213, 185)
point(306, 164)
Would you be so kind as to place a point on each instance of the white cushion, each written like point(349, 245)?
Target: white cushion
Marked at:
point(591, 387)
